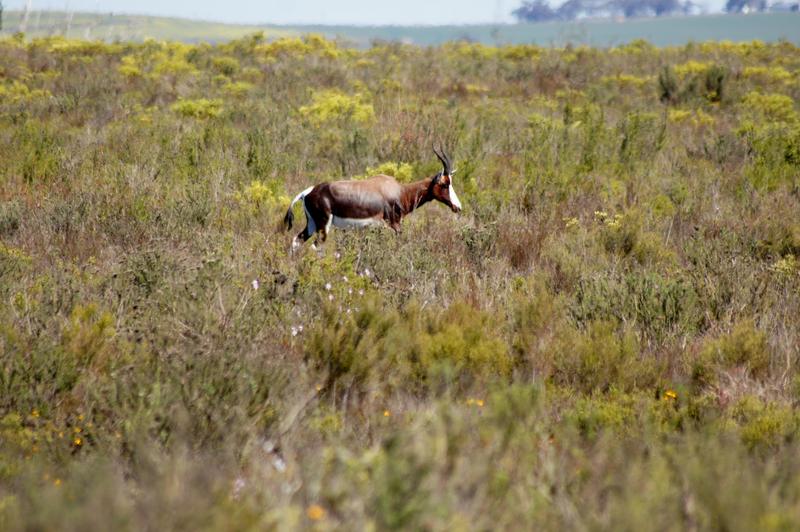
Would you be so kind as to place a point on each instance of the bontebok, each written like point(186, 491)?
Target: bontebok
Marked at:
point(376, 200)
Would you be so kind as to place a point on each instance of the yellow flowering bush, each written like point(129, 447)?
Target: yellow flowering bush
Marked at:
point(767, 74)
point(259, 195)
point(202, 108)
point(691, 68)
point(336, 106)
point(771, 107)
point(18, 92)
point(403, 172)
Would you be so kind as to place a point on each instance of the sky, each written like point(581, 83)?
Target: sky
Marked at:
point(362, 12)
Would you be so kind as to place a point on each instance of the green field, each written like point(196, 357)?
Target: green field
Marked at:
point(665, 31)
point(606, 338)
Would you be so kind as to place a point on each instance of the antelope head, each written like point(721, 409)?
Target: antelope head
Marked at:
point(442, 184)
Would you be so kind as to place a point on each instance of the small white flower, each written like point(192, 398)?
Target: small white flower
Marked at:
point(327, 286)
point(350, 291)
point(337, 255)
point(255, 284)
point(330, 297)
point(238, 486)
point(348, 311)
point(344, 278)
point(300, 328)
point(361, 292)
point(367, 272)
point(279, 464)
point(294, 330)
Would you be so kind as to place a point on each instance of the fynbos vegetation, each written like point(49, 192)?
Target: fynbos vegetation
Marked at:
point(605, 337)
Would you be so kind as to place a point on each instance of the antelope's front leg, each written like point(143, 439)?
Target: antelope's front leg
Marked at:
point(392, 215)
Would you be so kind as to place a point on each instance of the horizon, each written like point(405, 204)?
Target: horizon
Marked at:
point(314, 12)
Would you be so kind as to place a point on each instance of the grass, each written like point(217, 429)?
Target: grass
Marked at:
point(606, 337)
point(663, 31)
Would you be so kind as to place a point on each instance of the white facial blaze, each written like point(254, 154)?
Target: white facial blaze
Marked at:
point(453, 196)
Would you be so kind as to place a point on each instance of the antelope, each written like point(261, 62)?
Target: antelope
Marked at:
point(377, 200)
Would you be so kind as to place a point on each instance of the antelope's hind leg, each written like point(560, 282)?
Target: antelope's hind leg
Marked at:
point(301, 238)
point(305, 234)
point(322, 221)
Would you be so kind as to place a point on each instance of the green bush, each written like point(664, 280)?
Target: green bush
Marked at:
point(602, 358)
point(744, 346)
point(763, 424)
point(464, 341)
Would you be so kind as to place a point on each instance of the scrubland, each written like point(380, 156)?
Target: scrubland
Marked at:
point(606, 338)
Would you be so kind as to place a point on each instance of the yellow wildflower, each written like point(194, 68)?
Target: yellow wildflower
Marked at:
point(670, 395)
point(386, 413)
point(315, 512)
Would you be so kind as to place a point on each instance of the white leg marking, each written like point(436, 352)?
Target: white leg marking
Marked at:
point(328, 224)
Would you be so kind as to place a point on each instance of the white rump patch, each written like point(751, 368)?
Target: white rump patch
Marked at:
point(312, 227)
point(345, 223)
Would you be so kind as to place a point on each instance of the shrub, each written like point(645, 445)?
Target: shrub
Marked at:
point(259, 196)
point(352, 348)
point(601, 358)
point(667, 85)
point(226, 65)
point(10, 214)
point(763, 424)
point(658, 306)
point(403, 172)
point(595, 415)
point(336, 106)
point(463, 341)
point(202, 108)
point(744, 346)
point(770, 107)
point(715, 83)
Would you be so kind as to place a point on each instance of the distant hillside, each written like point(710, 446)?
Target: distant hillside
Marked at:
point(663, 31)
point(130, 27)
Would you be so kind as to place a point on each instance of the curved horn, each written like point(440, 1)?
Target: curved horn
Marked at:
point(445, 160)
